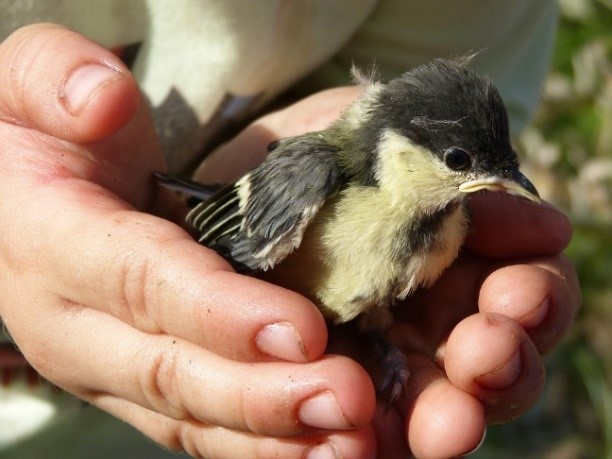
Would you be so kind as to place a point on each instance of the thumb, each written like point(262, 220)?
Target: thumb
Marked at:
point(61, 83)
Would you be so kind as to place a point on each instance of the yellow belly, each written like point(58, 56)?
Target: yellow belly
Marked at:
point(348, 261)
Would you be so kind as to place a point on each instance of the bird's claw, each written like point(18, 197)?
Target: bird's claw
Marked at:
point(395, 376)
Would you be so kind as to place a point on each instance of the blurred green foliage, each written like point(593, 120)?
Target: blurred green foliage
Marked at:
point(569, 155)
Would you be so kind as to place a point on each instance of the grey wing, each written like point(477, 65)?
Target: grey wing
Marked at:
point(259, 220)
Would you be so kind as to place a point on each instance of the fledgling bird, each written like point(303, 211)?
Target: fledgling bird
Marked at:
point(359, 215)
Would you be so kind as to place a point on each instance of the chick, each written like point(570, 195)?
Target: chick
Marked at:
point(359, 215)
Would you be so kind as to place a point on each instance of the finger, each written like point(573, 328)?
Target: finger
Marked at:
point(542, 295)
point(201, 440)
point(441, 420)
point(248, 148)
point(152, 275)
point(491, 357)
point(183, 381)
point(63, 84)
point(122, 162)
point(505, 226)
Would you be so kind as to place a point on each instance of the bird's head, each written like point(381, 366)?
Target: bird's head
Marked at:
point(442, 132)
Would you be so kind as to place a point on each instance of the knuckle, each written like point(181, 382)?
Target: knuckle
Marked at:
point(147, 280)
point(178, 438)
point(266, 415)
point(150, 274)
point(135, 277)
point(207, 441)
point(18, 64)
point(265, 450)
point(26, 50)
point(138, 271)
point(159, 381)
point(189, 438)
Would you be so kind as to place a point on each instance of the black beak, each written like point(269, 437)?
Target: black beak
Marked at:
point(524, 183)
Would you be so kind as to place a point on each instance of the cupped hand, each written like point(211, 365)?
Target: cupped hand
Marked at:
point(474, 340)
point(123, 308)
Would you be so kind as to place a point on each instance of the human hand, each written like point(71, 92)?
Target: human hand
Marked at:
point(474, 341)
point(122, 308)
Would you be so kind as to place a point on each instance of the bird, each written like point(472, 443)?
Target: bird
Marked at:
point(359, 215)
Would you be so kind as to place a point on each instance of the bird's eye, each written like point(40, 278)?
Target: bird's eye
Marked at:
point(457, 159)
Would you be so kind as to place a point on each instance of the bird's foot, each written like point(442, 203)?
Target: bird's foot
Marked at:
point(395, 376)
point(393, 367)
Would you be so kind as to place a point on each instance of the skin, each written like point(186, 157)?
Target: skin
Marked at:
point(187, 359)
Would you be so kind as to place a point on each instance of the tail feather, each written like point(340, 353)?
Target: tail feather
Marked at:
point(190, 188)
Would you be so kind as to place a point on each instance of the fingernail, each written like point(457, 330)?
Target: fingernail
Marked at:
point(536, 316)
point(322, 411)
point(480, 443)
point(324, 451)
point(281, 340)
point(83, 83)
point(503, 376)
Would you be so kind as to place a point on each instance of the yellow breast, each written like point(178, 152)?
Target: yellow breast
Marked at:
point(349, 259)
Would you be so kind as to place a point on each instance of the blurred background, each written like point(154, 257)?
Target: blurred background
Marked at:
point(567, 152)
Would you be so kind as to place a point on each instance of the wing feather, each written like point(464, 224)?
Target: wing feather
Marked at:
point(219, 208)
point(284, 194)
point(256, 222)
